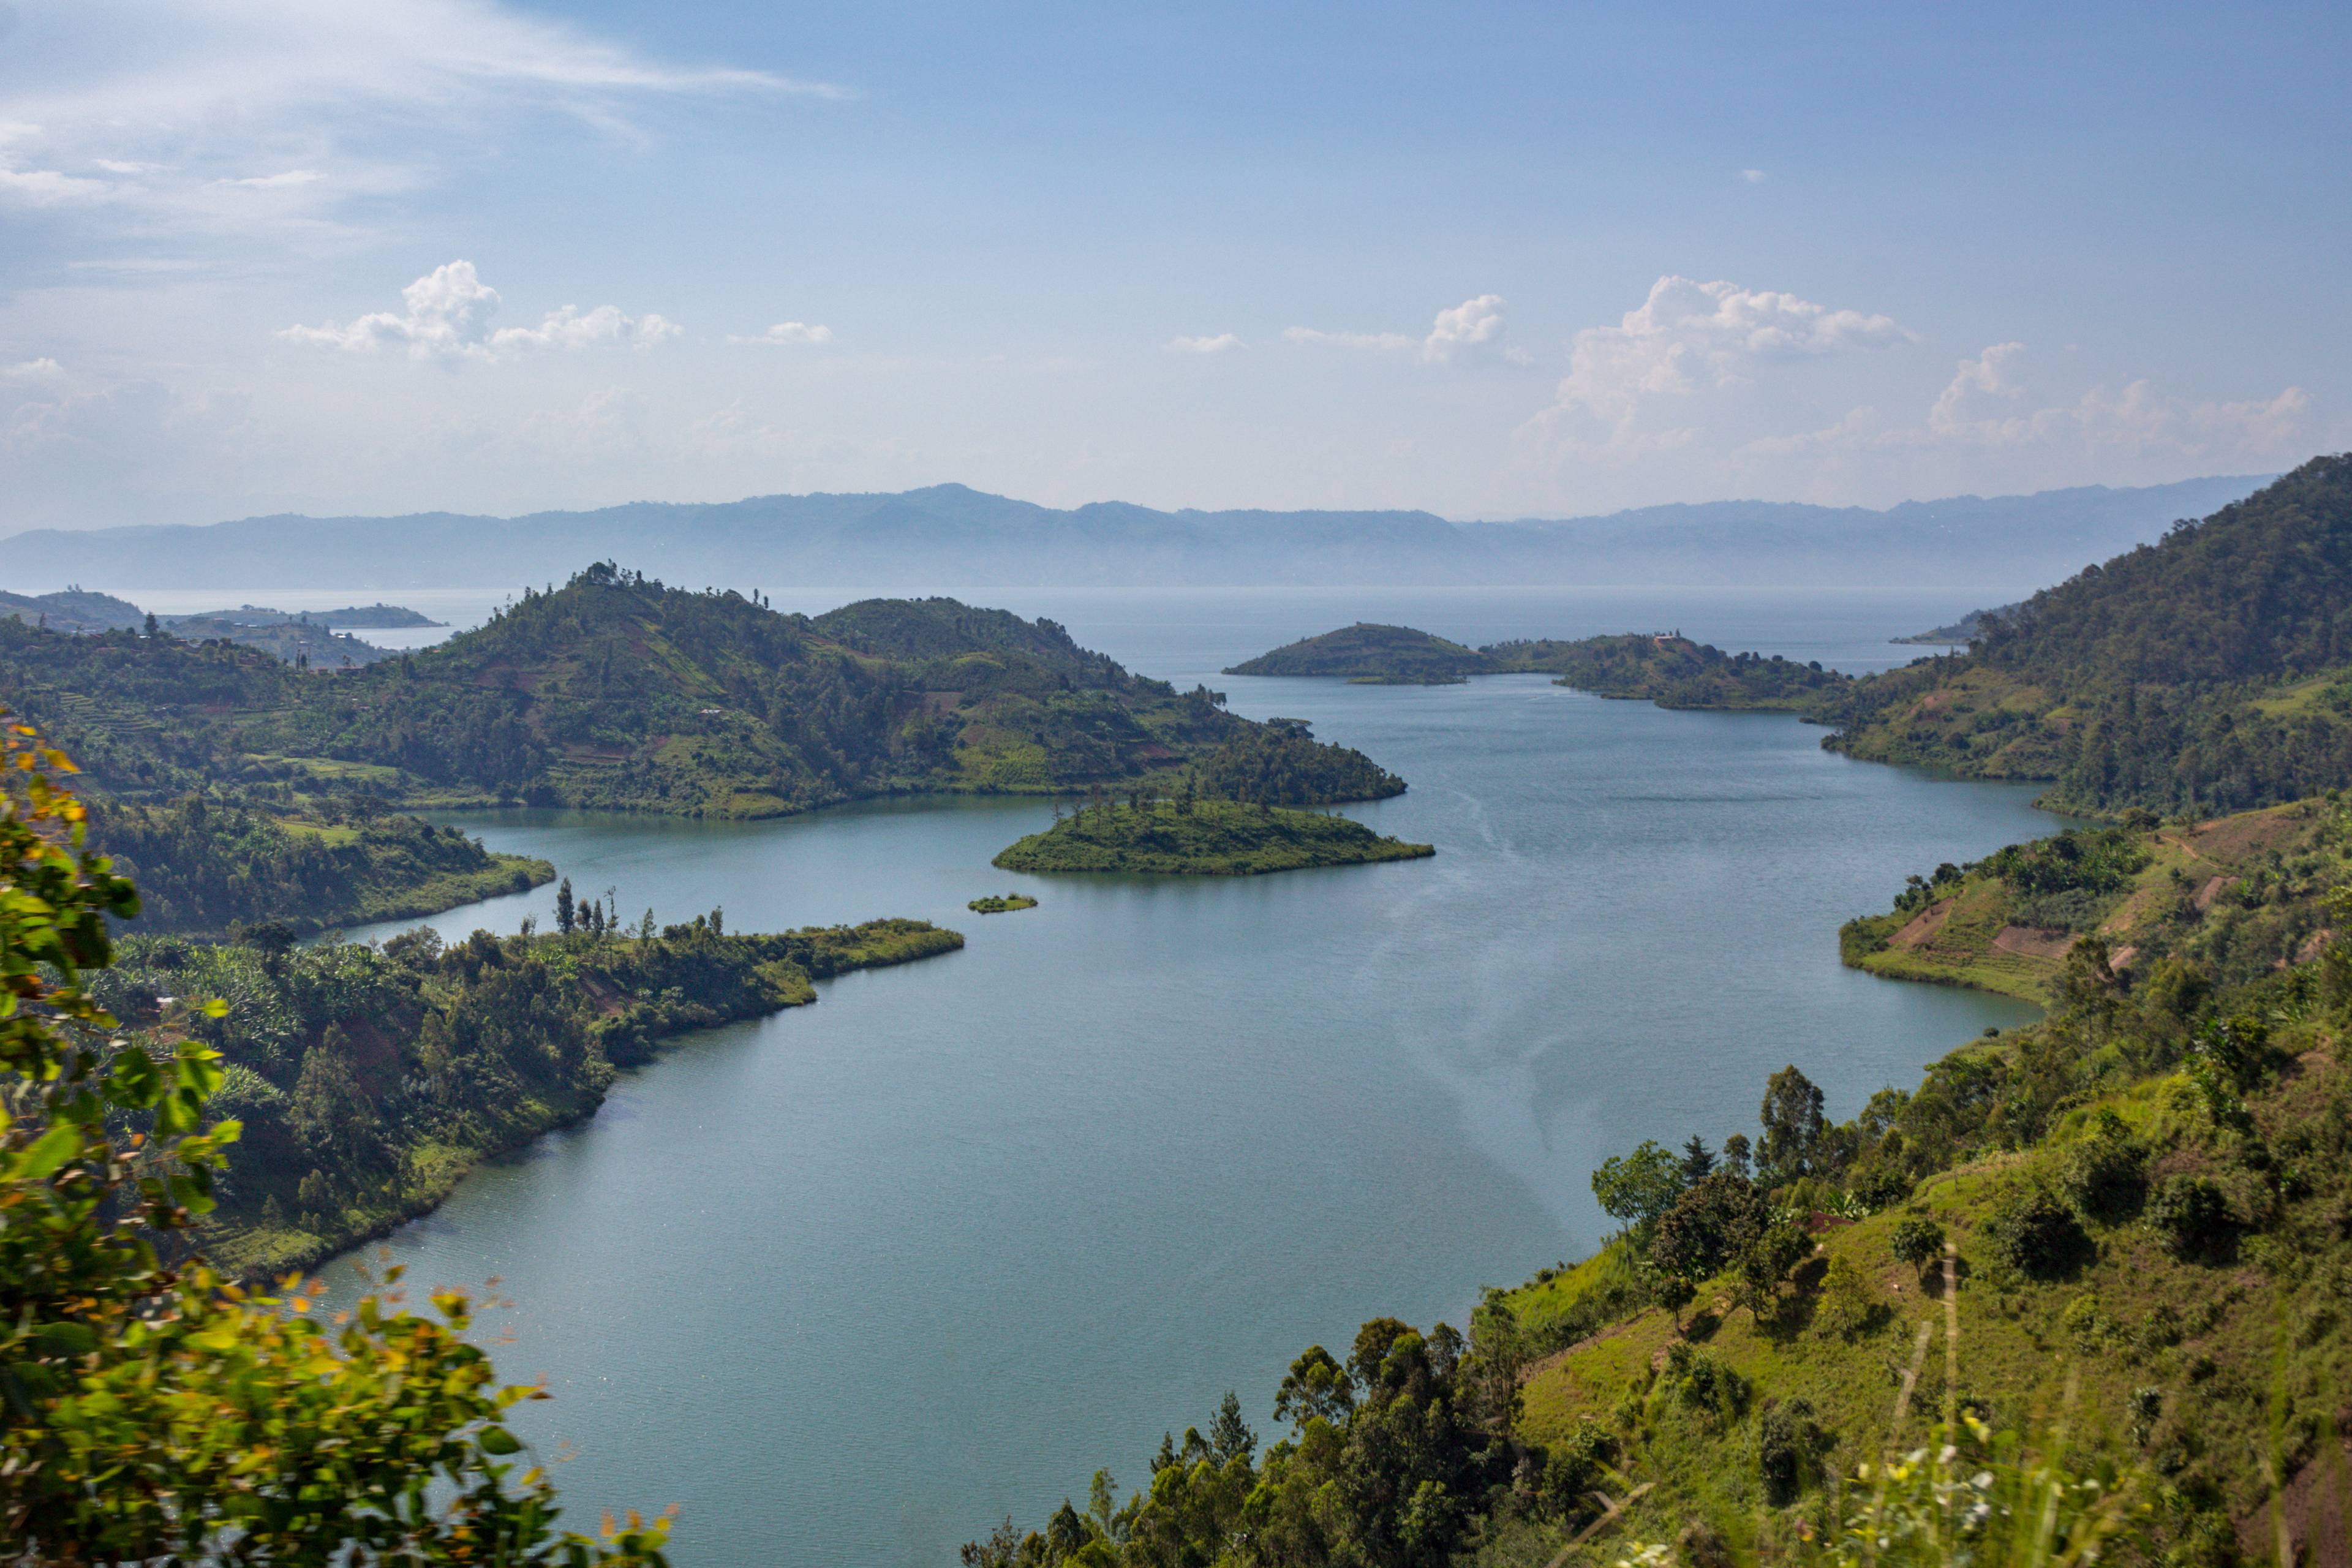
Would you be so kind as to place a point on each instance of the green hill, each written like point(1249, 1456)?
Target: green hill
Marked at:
point(2114, 1240)
point(616, 692)
point(2210, 671)
point(1368, 651)
point(1202, 838)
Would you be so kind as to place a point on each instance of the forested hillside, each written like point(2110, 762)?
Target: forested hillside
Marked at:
point(369, 1080)
point(2106, 1257)
point(2210, 671)
point(618, 692)
point(203, 866)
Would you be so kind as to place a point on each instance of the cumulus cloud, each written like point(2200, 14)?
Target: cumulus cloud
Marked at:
point(1216, 344)
point(1988, 402)
point(445, 314)
point(1471, 329)
point(1688, 338)
point(787, 335)
point(44, 369)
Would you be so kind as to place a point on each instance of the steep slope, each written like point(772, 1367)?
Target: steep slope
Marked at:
point(2210, 671)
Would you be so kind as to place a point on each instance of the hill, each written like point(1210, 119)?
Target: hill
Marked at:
point(2104, 1257)
point(951, 536)
point(618, 692)
point(1202, 838)
point(2233, 899)
point(72, 610)
point(2209, 672)
point(1368, 650)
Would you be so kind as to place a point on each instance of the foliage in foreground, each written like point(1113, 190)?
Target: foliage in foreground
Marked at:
point(155, 1410)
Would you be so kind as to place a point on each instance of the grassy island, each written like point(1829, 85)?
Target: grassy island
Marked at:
point(1202, 838)
point(1002, 904)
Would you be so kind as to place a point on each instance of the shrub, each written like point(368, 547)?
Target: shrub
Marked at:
point(2191, 1218)
point(1786, 1442)
point(2105, 1175)
point(2035, 1233)
point(1918, 1241)
point(1848, 1307)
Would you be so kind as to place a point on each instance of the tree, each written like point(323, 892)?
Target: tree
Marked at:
point(1698, 1161)
point(1229, 1437)
point(565, 915)
point(1735, 1155)
point(1791, 1116)
point(1708, 1226)
point(1918, 1241)
point(1634, 1189)
point(158, 1410)
point(1765, 1264)
point(1316, 1387)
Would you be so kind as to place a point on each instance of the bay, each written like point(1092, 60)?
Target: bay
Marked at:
point(849, 1284)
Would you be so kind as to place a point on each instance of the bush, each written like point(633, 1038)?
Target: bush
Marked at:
point(2105, 1175)
point(1848, 1307)
point(1918, 1241)
point(2191, 1218)
point(2036, 1234)
point(1786, 1442)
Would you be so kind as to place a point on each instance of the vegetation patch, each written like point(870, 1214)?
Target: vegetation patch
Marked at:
point(1201, 837)
point(1001, 903)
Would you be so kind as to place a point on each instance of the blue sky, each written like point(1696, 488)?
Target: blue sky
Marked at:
point(1492, 260)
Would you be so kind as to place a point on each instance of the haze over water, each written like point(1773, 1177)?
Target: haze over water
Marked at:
point(851, 1283)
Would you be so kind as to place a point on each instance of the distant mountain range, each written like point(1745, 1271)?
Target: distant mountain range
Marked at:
point(950, 536)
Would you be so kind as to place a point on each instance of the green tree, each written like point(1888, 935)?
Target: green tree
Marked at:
point(1698, 1161)
point(1918, 1241)
point(156, 1410)
point(1792, 1120)
point(1634, 1189)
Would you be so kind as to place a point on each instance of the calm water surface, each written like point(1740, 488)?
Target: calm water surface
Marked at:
point(851, 1283)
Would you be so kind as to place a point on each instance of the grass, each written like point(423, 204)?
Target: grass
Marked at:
point(1210, 838)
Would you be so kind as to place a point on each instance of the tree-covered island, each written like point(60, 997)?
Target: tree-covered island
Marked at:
point(1201, 837)
point(1664, 668)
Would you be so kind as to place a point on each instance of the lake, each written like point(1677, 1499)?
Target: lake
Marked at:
point(850, 1284)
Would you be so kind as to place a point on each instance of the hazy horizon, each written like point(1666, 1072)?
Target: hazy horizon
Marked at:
point(488, 255)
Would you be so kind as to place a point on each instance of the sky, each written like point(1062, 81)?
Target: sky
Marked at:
point(1492, 260)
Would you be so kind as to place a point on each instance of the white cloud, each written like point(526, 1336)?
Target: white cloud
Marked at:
point(445, 314)
point(1689, 338)
point(1218, 345)
point(787, 335)
point(43, 369)
point(1753, 177)
point(278, 182)
point(172, 103)
point(1472, 328)
point(1988, 402)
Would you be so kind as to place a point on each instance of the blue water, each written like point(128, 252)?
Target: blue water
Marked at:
point(850, 1284)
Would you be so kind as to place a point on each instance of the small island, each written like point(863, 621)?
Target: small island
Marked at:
point(1202, 838)
point(1001, 903)
point(1370, 652)
point(1666, 667)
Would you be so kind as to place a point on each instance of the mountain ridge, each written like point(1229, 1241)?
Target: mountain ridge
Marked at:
point(950, 535)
